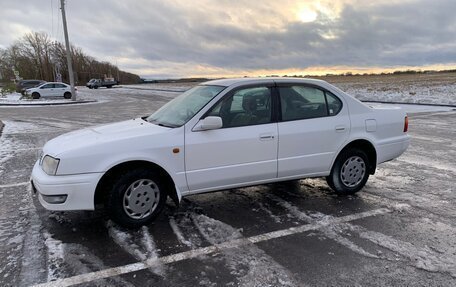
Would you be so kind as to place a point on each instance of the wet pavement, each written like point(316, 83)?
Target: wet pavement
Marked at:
point(400, 230)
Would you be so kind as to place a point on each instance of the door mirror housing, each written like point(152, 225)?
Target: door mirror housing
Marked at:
point(209, 123)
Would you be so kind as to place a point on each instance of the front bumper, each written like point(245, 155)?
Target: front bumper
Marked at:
point(79, 189)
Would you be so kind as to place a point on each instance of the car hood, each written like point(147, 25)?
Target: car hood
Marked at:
point(102, 134)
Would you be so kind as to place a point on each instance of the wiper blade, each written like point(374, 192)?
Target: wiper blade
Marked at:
point(165, 125)
point(155, 122)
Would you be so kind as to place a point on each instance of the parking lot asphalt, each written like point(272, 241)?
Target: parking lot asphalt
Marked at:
point(400, 230)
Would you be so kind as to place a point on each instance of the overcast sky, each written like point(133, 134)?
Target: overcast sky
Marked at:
point(181, 38)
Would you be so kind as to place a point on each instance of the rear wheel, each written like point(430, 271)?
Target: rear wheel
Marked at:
point(350, 172)
point(136, 198)
point(67, 95)
point(36, 95)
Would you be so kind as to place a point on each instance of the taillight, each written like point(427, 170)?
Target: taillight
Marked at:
point(405, 124)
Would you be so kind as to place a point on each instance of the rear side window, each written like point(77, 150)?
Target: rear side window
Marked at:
point(334, 104)
point(299, 102)
point(303, 102)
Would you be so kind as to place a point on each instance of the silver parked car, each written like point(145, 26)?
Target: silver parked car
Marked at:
point(50, 89)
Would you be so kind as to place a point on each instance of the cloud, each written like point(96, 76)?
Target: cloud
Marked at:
point(183, 38)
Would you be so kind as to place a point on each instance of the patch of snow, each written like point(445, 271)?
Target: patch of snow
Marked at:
point(248, 263)
point(421, 257)
point(177, 231)
point(276, 218)
point(79, 259)
point(33, 249)
point(55, 256)
point(329, 230)
point(416, 92)
point(139, 244)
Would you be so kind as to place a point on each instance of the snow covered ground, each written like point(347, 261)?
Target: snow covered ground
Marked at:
point(18, 99)
point(439, 88)
point(398, 232)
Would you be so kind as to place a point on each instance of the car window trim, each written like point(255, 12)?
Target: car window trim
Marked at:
point(340, 101)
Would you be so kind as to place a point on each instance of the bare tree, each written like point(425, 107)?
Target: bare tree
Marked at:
point(36, 56)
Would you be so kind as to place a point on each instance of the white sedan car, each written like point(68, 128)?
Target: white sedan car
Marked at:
point(219, 135)
point(50, 89)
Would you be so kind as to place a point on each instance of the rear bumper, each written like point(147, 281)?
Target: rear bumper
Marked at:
point(392, 149)
point(79, 189)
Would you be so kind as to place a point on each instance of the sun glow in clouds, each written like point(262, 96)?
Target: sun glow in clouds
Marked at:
point(307, 15)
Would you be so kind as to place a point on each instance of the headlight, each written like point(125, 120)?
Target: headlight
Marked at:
point(50, 165)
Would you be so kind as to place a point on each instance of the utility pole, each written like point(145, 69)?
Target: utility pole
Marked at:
point(68, 51)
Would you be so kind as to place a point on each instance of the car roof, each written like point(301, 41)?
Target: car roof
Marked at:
point(26, 81)
point(268, 80)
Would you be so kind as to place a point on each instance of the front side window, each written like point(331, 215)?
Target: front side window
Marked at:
point(180, 110)
point(249, 106)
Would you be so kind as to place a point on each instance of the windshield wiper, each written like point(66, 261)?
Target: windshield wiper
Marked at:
point(155, 122)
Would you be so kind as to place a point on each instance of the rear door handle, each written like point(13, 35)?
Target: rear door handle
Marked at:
point(265, 137)
point(340, 129)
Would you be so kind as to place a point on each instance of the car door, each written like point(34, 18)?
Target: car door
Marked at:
point(59, 90)
point(313, 126)
point(47, 90)
point(243, 151)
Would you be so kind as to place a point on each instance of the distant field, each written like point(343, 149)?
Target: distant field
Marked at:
point(434, 88)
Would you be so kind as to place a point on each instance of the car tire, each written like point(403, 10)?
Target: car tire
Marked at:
point(350, 172)
point(136, 198)
point(35, 95)
point(95, 87)
point(67, 95)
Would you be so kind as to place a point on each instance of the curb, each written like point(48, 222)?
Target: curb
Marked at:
point(152, 89)
point(418, 104)
point(47, 104)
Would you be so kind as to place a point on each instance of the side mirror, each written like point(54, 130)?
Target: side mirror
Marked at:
point(209, 123)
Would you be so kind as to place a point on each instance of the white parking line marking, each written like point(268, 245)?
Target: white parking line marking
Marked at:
point(153, 262)
point(15, 184)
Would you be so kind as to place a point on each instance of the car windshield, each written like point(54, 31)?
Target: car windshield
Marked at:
point(180, 110)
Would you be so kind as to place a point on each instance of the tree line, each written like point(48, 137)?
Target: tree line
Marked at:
point(37, 56)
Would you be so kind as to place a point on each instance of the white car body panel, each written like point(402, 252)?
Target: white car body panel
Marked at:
point(222, 158)
point(49, 92)
point(308, 146)
point(213, 159)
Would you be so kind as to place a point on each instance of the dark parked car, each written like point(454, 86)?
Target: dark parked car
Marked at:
point(96, 83)
point(22, 85)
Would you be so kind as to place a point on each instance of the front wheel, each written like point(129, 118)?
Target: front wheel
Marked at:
point(67, 95)
point(136, 198)
point(36, 95)
point(349, 173)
